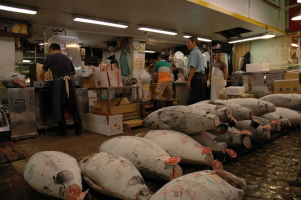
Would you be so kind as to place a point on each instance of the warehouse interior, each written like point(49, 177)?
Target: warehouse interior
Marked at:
point(248, 138)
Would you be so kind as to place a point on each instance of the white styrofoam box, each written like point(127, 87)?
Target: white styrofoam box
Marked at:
point(235, 90)
point(92, 93)
point(257, 67)
point(106, 125)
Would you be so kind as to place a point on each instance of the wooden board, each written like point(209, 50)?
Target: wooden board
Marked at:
point(129, 124)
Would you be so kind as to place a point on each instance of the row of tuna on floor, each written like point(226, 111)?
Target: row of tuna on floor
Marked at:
point(185, 134)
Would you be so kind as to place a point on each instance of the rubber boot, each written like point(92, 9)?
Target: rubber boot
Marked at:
point(157, 104)
point(169, 103)
point(62, 127)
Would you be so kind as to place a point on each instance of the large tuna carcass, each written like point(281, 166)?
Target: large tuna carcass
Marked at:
point(292, 115)
point(284, 100)
point(261, 133)
point(149, 158)
point(189, 120)
point(204, 185)
point(234, 138)
point(275, 124)
point(284, 122)
point(223, 112)
point(115, 176)
point(55, 174)
point(180, 145)
point(258, 107)
point(238, 112)
point(207, 139)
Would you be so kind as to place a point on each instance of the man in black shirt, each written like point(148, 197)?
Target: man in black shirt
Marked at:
point(63, 90)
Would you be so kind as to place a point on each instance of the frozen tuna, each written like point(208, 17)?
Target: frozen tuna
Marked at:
point(258, 134)
point(284, 122)
point(55, 174)
point(258, 107)
point(293, 116)
point(238, 112)
point(115, 176)
point(234, 138)
point(223, 112)
point(191, 152)
point(284, 100)
point(149, 158)
point(207, 139)
point(205, 185)
point(275, 124)
point(189, 120)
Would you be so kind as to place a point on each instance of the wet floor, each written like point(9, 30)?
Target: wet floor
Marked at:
point(272, 170)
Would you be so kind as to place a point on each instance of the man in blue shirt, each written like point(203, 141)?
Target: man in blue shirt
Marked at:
point(195, 83)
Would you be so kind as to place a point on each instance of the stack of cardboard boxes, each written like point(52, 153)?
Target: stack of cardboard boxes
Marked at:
point(290, 84)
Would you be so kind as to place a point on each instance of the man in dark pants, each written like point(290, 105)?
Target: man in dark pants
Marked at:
point(195, 83)
point(63, 90)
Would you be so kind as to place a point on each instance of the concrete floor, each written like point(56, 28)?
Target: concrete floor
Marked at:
point(272, 171)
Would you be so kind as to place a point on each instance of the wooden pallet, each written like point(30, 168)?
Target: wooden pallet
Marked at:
point(129, 124)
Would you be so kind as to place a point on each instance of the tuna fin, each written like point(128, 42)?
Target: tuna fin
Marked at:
point(254, 123)
point(275, 122)
point(170, 160)
point(231, 153)
point(245, 132)
point(266, 127)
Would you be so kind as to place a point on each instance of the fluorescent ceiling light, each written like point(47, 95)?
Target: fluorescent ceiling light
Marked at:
point(26, 61)
point(265, 36)
point(149, 51)
point(19, 10)
point(298, 1)
point(156, 30)
point(199, 38)
point(294, 45)
point(100, 22)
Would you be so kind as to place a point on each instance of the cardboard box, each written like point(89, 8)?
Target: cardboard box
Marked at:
point(103, 123)
point(257, 67)
point(118, 109)
point(235, 90)
point(293, 74)
point(287, 86)
point(88, 82)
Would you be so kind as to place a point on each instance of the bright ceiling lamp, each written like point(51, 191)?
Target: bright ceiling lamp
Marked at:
point(265, 36)
point(150, 51)
point(17, 8)
point(294, 45)
point(298, 1)
point(156, 30)
point(199, 38)
point(100, 22)
point(297, 17)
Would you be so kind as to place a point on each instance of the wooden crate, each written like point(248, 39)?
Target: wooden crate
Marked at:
point(146, 109)
point(129, 124)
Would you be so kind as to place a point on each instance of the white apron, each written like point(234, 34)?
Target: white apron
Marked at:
point(217, 79)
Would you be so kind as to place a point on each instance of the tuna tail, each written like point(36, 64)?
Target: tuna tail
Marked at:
point(254, 123)
point(170, 160)
point(247, 142)
point(74, 192)
point(231, 153)
point(222, 128)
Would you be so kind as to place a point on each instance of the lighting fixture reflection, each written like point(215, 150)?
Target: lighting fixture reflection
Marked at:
point(100, 22)
point(19, 10)
point(149, 51)
point(199, 38)
point(156, 30)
